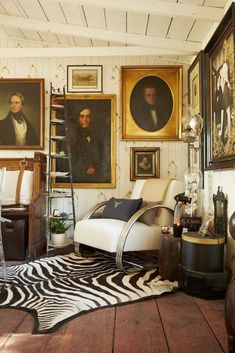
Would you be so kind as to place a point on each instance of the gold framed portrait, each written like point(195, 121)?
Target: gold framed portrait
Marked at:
point(22, 108)
point(145, 163)
point(151, 102)
point(91, 131)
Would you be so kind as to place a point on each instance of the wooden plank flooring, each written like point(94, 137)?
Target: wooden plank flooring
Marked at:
point(172, 323)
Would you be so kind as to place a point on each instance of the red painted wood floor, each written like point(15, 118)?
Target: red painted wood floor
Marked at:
point(173, 323)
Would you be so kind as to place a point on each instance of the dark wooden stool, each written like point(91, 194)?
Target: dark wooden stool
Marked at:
point(230, 315)
point(169, 257)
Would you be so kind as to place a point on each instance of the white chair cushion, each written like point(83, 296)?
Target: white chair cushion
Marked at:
point(9, 192)
point(138, 186)
point(104, 234)
point(155, 190)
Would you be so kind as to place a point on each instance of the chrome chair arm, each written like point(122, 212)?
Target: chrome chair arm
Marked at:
point(94, 209)
point(125, 232)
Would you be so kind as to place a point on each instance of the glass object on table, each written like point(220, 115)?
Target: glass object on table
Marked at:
point(191, 129)
point(192, 124)
point(193, 190)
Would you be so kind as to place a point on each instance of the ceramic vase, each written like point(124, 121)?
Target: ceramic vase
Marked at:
point(58, 239)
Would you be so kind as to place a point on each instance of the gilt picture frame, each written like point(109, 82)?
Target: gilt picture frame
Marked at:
point(84, 78)
point(220, 126)
point(145, 163)
point(91, 131)
point(22, 113)
point(151, 102)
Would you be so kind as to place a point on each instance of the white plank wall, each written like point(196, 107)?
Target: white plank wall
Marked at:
point(173, 155)
point(55, 70)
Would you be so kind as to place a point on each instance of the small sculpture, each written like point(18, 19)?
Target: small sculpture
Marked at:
point(220, 212)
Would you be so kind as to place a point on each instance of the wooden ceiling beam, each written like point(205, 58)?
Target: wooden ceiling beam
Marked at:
point(156, 7)
point(101, 34)
point(86, 52)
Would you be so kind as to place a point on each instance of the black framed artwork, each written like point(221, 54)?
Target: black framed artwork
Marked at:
point(220, 122)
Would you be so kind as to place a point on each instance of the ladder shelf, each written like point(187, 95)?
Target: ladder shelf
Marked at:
point(59, 166)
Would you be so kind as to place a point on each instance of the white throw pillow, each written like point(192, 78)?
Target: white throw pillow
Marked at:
point(26, 191)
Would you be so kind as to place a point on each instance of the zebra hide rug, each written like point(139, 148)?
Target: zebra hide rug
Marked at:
point(57, 289)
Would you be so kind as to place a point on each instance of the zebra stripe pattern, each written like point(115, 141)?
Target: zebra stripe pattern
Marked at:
point(56, 289)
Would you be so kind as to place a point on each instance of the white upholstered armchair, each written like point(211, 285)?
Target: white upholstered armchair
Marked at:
point(143, 229)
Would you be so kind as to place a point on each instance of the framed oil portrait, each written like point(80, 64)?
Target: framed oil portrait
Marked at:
point(90, 127)
point(151, 102)
point(85, 78)
point(220, 126)
point(22, 114)
point(145, 163)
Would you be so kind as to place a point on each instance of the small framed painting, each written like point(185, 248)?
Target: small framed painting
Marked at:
point(85, 78)
point(145, 163)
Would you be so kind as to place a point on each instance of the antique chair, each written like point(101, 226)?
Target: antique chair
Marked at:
point(24, 203)
point(134, 231)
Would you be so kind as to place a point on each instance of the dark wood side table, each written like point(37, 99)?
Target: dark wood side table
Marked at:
point(61, 250)
point(230, 315)
point(169, 257)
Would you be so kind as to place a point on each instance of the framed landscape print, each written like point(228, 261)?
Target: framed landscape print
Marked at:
point(145, 163)
point(91, 131)
point(220, 124)
point(151, 102)
point(84, 78)
point(22, 114)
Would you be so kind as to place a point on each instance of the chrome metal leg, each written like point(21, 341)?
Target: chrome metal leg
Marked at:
point(123, 238)
point(77, 248)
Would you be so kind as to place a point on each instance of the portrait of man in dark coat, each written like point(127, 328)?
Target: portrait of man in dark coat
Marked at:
point(151, 103)
point(90, 127)
point(21, 114)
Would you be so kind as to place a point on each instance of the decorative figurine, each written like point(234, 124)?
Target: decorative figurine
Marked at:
point(220, 212)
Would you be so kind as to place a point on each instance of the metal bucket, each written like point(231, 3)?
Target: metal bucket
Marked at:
point(202, 254)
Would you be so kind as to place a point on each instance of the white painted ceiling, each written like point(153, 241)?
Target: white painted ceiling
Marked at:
point(108, 27)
